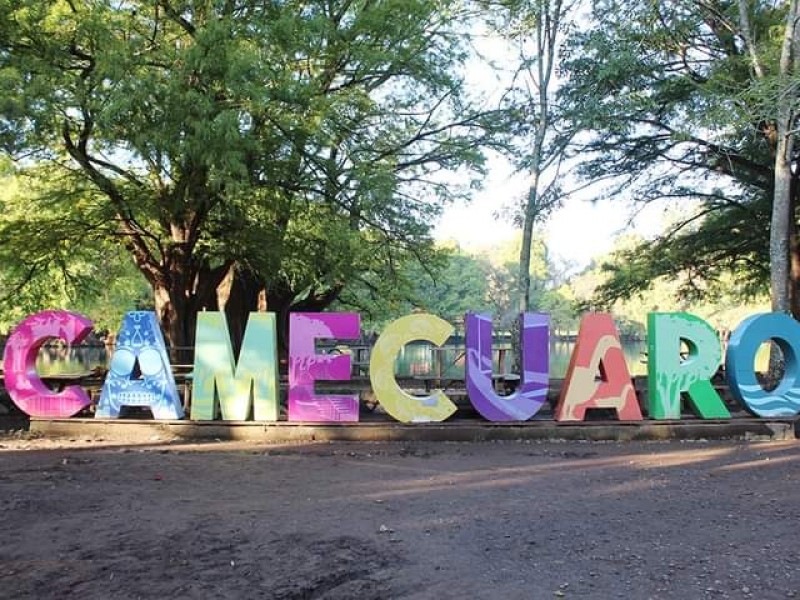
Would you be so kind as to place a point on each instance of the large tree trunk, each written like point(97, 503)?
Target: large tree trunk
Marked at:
point(239, 294)
point(782, 224)
point(782, 234)
point(171, 312)
point(184, 290)
point(794, 251)
point(782, 228)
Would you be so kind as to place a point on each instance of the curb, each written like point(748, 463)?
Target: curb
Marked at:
point(749, 429)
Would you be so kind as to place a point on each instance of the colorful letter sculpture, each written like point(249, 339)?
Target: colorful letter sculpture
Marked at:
point(306, 366)
point(784, 400)
point(535, 350)
point(669, 375)
point(403, 406)
point(19, 364)
point(141, 344)
point(253, 382)
point(597, 350)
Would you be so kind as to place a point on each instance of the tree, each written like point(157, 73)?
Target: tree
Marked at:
point(456, 283)
point(40, 269)
point(547, 287)
point(244, 150)
point(669, 103)
point(723, 309)
point(483, 280)
point(783, 120)
point(536, 28)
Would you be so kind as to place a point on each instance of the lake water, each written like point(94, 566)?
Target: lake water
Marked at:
point(61, 360)
point(422, 359)
point(414, 359)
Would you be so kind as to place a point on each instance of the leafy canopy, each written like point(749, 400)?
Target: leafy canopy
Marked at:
point(298, 140)
point(667, 106)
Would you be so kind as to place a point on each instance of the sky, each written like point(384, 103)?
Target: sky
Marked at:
point(580, 230)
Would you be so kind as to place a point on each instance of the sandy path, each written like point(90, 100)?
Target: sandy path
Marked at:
point(491, 520)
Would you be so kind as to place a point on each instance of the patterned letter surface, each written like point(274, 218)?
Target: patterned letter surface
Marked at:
point(399, 404)
point(532, 391)
point(784, 400)
point(140, 350)
point(597, 351)
point(252, 382)
point(19, 364)
point(669, 375)
point(306, 366)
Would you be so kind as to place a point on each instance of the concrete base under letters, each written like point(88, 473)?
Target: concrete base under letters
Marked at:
point(457, 430)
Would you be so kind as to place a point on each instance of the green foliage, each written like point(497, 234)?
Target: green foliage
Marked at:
point(536, 30)
point(483, 281)
point(721, 305)
point(46, 265)
point(668, 107)
point(301, 140)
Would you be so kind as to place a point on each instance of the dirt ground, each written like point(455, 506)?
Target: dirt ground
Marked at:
point(96, 520)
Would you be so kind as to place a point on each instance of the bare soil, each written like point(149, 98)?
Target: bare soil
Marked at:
point(98, 520)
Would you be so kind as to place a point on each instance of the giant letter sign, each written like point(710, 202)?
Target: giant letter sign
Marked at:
point(306, 366)
point(598, 349)
point(403, 406)
point(784, 400)
point(669, 375)
point(141, 343)
point(535, 353)
point(251, 382)
point(19, 364)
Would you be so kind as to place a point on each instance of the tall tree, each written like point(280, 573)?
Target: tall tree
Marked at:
point(269, 145)
point(783, 119)
point(682, 100)
point(536, 29)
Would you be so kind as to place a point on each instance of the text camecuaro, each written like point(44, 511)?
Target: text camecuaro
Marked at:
point(140, 373)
